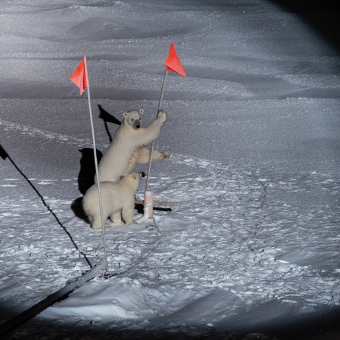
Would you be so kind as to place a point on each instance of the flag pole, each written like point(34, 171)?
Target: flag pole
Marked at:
point(96, 166)
point(172, 63)
point(159, 107)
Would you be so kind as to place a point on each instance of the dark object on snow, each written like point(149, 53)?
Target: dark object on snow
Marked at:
point(78, 210)
point(139, 206)
point(87, 169)
point(108, 118)
point(3, 153)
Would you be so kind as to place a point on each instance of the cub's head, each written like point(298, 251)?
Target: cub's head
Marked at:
point(133, 179)
point(134, 118)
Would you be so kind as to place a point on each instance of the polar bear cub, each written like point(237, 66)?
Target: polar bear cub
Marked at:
point(128, 146)
point(118, 200)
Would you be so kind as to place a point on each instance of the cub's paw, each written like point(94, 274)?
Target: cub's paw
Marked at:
point(130, 222)
point(161, 115)
point(166, 154)
point(117, 222)
point(97, 226)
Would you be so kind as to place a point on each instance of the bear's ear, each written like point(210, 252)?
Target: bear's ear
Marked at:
point(141, 111)
point(124, 114)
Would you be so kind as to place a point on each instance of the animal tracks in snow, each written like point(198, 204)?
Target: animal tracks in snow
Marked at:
point(234, 229)
point(34, 132)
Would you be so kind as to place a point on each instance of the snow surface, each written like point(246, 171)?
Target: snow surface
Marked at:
point(255, 140)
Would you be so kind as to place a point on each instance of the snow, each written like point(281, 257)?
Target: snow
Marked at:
point(253, 245)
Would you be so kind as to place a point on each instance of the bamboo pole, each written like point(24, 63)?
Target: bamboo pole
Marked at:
point(96, 166)
point(152, 144)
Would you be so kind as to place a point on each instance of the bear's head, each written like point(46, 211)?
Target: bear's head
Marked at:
point(134, 118)
point(133, 179)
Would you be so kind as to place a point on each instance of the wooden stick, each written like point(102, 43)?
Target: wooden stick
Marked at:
point(170, 204)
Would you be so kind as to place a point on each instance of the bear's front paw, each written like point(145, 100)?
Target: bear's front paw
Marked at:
point(166, 154)
point(161, 115)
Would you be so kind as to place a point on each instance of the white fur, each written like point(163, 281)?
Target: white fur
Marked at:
point(127, 147)
point(118, 200)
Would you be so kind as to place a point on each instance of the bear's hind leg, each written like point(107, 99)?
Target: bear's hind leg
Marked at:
point(96, 223)
point(127, 214)
point(116, 217)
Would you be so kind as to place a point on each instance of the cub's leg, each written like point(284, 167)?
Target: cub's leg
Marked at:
point(96, 222)
point(127, 213)
point(116, 217)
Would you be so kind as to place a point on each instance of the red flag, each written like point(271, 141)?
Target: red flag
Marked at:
point(172, 62)
point(79, 76)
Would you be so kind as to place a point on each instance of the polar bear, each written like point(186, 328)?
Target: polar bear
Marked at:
point(118, 199)
point(128, 146)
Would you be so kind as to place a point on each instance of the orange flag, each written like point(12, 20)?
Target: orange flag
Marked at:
point(172, 62)
point(79, 76)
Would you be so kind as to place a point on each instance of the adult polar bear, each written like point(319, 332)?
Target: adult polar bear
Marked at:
point(128, 146)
